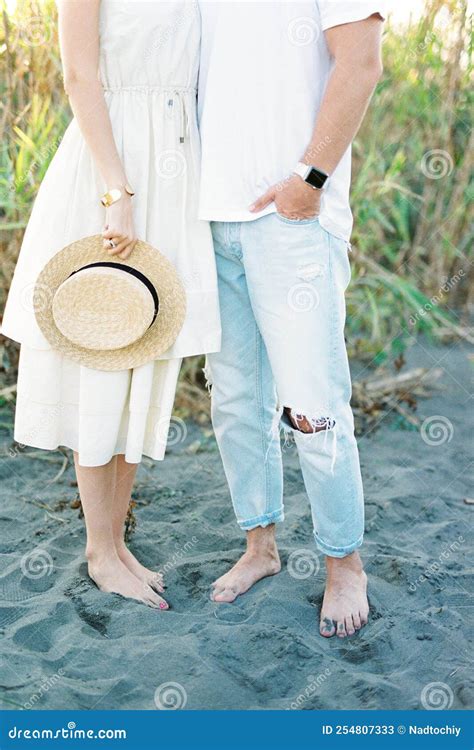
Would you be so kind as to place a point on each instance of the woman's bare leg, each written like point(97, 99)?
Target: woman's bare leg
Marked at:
point(124, 478)
point(96, 489)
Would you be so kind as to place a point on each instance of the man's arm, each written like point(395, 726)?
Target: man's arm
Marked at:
point(356, 49)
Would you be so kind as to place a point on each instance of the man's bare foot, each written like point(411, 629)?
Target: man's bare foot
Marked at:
point(259, 561)
point(112, 576)
point(345, 606)
point(152, 578)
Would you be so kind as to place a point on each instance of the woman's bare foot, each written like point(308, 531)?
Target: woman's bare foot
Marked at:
point(345, 606)
point(112, 576)
point(152, 578)
point(259, 561)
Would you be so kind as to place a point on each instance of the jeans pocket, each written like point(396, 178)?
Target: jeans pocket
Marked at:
point(339, 251)
point(297, 222)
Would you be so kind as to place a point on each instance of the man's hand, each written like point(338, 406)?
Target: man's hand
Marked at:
point(356, 51)
point(293, 199)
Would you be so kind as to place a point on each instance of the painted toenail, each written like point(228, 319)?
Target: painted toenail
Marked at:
point(163, 605)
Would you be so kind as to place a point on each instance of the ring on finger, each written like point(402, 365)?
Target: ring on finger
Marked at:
point(111, 243)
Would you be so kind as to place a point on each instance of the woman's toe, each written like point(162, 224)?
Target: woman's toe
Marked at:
point(156, 585)
point(154, 600)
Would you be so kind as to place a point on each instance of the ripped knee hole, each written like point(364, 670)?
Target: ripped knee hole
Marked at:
point(308, 425)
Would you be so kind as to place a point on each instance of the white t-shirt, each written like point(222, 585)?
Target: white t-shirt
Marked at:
point(264, 68)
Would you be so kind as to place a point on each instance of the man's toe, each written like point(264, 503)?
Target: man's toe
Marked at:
point(356, 621)
point(327, 627)
point(216, 590)
point(341, 629)
point(350, 629)
point(225, 594)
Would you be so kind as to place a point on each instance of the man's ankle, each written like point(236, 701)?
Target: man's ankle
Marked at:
point(351, 561)
point(262, 540)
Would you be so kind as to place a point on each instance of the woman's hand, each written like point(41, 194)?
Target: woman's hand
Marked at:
point(119, 228)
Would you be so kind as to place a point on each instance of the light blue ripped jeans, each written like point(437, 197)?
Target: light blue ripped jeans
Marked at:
point(281, 285)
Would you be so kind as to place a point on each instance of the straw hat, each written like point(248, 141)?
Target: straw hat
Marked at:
point(107, 313)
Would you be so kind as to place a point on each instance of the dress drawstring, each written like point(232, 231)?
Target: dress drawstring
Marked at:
point(183, 115)
point(179, 94)
point(184, 122)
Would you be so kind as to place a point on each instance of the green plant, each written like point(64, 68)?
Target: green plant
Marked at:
point(412, 179)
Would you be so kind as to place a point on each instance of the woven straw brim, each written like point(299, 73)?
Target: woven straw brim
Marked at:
point(153, 264)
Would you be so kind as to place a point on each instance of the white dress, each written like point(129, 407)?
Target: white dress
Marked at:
point(149, 60)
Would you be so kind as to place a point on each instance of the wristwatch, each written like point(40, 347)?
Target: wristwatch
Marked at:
point(114, 195)
point(313, 176)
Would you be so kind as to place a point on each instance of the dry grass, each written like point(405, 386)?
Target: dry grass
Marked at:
point(411, 188)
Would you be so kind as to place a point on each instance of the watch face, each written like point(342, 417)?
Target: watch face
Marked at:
point(316, 178)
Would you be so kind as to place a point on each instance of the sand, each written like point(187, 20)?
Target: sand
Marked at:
point(68, 646)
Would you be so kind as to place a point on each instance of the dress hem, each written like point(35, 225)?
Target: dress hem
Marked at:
point(90, 465)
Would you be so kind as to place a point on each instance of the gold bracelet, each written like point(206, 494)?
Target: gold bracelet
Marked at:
point(115, 194)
